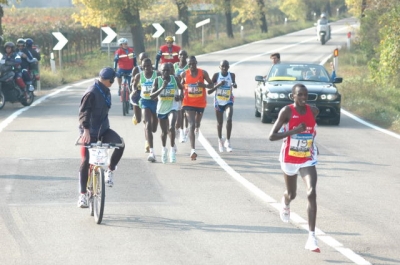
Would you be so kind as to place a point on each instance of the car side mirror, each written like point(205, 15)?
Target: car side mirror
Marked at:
point(338, 80)
point(260, 78)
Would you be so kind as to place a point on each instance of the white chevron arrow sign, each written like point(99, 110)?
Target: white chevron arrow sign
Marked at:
point(160, 30)
point(182, 27)
point(61, 41)
point(110, 35)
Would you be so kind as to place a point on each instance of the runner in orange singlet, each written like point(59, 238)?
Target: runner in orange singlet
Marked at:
point(195, 99)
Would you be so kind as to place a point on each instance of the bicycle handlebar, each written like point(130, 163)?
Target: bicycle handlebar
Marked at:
point(100, 144)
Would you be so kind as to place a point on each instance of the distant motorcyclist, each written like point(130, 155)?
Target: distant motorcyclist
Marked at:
point(35, 54)
point(12, 58)
point(26, 60)
point(323, 20)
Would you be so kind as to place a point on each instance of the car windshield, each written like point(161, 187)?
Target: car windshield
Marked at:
point(298, 72)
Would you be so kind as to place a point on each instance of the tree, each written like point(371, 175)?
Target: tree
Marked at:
point(124, 13)
point(262, 17)
point(183, 13)
point(294, 9)
point(2, 2)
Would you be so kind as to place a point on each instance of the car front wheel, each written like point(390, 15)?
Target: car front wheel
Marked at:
point(264, 117)
point(256, 112)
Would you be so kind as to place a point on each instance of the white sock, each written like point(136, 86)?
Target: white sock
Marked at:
point(151, 150)
point(311, 233)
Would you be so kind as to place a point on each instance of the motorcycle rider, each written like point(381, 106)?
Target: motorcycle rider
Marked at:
point(12, 58)
point(324, 21)
point(35, 54)
point(26, 60)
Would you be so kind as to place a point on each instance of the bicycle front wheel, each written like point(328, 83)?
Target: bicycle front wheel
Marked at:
point(98, 194)
point(125, 98)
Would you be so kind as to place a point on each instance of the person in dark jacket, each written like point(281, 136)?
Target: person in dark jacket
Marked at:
point(94, 125)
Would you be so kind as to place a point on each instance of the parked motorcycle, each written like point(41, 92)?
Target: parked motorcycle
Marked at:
point(9, 90)
point(323, 31)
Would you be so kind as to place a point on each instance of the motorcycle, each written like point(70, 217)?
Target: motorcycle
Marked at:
point(9, 90)
point(323, 31)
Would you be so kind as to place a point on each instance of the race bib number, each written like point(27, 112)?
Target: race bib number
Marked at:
point(169, 94)
point(146, 89)
point(300, 145)
point(194, 91)
point(224, 94)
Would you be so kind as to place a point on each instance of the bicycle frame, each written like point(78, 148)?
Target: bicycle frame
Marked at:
point(125, 94)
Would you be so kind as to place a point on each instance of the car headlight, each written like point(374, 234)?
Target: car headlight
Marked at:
point(329, 96)
point(276, 95)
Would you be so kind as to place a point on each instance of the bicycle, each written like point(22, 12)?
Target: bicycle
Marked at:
point(125, 91)
point(98, 157)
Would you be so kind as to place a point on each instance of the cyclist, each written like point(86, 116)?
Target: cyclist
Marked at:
point(168, 53)
point(166, 87)
point(94, 125)
point(13, 59)
point(149, 106)
point(124, 60)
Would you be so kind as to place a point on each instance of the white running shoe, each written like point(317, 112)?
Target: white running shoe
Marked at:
point(83, 201)
point(164, 155)
point(172, 155)
point(193, 154)
point(221, 145)
point(151, 157)
point(285, 211)
point(312, 244)
point(228, 145)
point(109, 178)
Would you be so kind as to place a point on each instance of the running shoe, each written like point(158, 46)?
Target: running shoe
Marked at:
point(285, 211)
point(221, 145)
point(228, 146)
point(134, 120)
point(193, 154)
point(146, 147)
point(172, 155)
point(312, 244)
point(109, 178)
point(164, 155)
point(83, 201)
point(151, 157)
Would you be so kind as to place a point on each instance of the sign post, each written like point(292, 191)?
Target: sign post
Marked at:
point(61, 43)
point(336, 58)
point(201, 24)
point(159, 31)
point(182, 28)
point(110, 37)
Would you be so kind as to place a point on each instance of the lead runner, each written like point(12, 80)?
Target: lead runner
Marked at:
point(296, 125)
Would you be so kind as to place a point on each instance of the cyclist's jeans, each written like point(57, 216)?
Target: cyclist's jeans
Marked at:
point(109, 136)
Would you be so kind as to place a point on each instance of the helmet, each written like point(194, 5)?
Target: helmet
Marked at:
point(9, 44)
point(21, 41)
point(323, 15)
point(122, 41)
point(29, 42)
point(169, 39)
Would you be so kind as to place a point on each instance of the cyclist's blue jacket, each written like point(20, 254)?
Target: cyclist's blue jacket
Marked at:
point(94, 108)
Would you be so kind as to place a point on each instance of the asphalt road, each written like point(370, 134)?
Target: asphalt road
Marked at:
point(220, 209)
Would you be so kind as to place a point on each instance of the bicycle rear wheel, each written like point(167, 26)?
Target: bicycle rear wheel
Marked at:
point(98, 194)
point(125, 97)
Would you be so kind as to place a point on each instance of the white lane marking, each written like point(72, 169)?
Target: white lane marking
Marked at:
point(38, 101)
point(395, 135)
point(295, 218)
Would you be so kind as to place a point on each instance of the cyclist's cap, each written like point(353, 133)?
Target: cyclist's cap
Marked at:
point(107, 73)
point(169, 39)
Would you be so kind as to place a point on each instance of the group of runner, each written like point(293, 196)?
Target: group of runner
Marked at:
point(175, 97)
